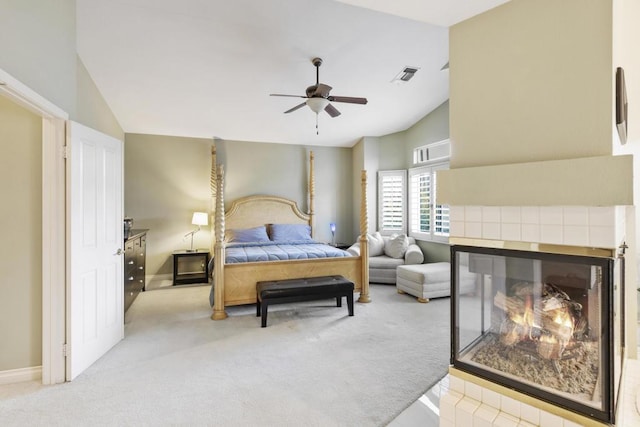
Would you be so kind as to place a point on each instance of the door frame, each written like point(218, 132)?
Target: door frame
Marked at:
point(54, 259)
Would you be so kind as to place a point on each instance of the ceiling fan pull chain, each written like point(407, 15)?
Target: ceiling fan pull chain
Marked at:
point(317, 130)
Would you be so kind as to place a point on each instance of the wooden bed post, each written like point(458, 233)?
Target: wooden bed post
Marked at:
point(364, 243)
point(213, 184)
point(312, 189)
point(219, 251)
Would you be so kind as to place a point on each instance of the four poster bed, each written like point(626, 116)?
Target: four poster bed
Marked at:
point(234, 279)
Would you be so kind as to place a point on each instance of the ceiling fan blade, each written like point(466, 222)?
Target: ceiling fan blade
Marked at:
point(322, 90)
point(348, 99)
point(291, 96)
point(331, 110)
point(296, 107)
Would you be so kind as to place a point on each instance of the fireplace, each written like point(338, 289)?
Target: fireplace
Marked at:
point(547, 323)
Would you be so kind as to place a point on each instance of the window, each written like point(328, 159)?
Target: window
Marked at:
point(392, 187)
point(434, 152)
point(427, 220)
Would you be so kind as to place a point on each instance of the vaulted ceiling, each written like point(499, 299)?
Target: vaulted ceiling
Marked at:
point(206, 68)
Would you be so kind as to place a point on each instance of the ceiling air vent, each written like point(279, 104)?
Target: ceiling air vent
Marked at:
point(405, 75)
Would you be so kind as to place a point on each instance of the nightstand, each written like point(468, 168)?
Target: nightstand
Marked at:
point(190, 267)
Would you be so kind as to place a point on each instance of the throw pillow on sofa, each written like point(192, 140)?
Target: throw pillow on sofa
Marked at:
point(396, 246)
point(376, 244)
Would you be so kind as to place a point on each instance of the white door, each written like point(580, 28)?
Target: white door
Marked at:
point(95, 289)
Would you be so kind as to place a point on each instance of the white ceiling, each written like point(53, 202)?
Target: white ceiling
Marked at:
point(205, 68)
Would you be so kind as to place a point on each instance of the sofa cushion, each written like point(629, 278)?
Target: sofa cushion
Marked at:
point(396, 246)
point(385, 262)
point(376, 244)
point(413, 255)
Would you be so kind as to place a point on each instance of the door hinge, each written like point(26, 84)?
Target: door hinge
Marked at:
point(64, 350)
point(65, 152)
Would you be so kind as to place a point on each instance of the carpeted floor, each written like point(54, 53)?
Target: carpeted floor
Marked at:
point(312, 365)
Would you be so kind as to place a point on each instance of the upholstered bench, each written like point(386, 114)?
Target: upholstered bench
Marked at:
point(432, 280)
point(294, 290)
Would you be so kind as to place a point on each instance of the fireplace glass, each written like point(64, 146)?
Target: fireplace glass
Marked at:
point(545, 324)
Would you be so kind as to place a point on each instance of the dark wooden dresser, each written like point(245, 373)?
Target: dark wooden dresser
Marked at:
point(135, 253)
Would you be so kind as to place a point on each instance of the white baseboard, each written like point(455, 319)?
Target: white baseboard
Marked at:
point(12, 376)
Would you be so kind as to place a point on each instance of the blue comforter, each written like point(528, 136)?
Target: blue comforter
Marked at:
point(280, 251)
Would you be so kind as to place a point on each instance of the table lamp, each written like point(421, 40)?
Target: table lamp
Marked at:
point(199, 219)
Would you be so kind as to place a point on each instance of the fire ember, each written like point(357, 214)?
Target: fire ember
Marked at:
point(543, 337)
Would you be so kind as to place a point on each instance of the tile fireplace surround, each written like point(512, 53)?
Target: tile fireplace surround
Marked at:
point(474, 401)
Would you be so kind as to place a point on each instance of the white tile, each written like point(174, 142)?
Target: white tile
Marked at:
point(510, 214)
point(506, 420)
point(526, 424)
point(473, 391)
point(448, 402)
point(530, 233)
point(510, 406)
point(490, 214)
point(551, 215)
point(529, 413)
point(550, 420)
point(491, 398)
point(484, 416)
point(576, 235)
point(602, 237)
point(456, 213)
point(575, 215)
point(464, 411)
point(473, 213)
point(457, 384)
point(551, 234)
point(491, 230)
point(530, 214)
point(473, 229)
point(511, 232)
point(456, 229)
point(568, 423)
point(603, 216)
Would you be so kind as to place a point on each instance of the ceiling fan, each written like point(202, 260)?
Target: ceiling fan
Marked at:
point(318, 97)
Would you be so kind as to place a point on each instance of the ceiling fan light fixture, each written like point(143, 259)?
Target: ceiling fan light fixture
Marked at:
point(317, 104)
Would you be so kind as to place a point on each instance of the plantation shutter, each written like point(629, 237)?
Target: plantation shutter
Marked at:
point(420, 201)
point(427, 220)
point(391, 201)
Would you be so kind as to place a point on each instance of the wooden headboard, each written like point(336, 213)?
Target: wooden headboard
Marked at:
point(254, 211)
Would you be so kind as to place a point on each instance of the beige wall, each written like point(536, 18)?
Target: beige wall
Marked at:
point(167, 179)
point(21, 249)
point(531, 80)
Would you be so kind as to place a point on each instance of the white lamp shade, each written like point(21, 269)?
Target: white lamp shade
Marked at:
point(200, 218)
point(317, 104)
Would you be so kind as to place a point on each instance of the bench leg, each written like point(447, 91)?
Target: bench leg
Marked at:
point(258, 307)
point(350, 303)
point(339, 301)
point(264, 314)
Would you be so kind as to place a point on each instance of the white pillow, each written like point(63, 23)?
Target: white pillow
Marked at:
point(376, 244)
point(396, 246)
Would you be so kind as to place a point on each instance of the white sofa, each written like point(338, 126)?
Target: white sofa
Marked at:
point(383, 263)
